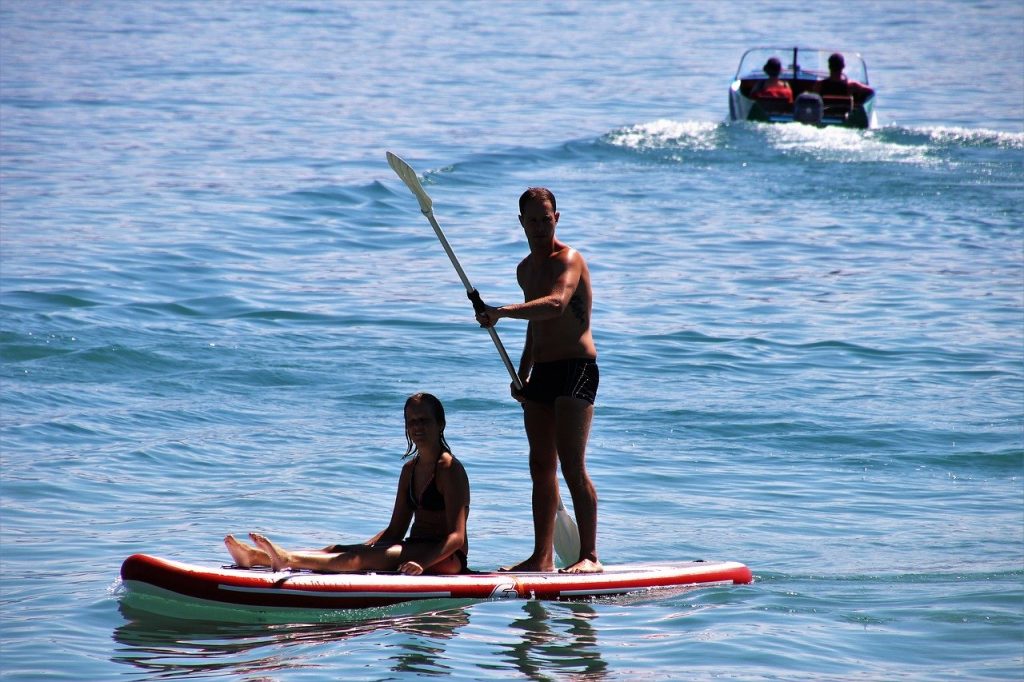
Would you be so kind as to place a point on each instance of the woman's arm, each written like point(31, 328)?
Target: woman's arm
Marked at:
point(401, 513)
point(453, 484)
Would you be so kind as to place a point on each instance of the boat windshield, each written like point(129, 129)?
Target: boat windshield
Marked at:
point(799, 62)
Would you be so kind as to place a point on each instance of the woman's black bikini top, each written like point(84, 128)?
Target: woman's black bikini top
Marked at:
point(432, 499)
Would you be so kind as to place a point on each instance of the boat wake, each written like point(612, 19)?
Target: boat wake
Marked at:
point(954, 137)
point(676, 141)
point(666, 134)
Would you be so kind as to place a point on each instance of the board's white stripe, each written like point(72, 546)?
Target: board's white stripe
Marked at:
point(635, 588)
point(335, 593)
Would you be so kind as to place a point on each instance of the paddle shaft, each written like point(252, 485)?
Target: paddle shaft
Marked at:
point(412, 181)
point(474, 296)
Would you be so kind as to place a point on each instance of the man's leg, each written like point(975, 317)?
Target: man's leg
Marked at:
point(539, 420)
point(573, 419)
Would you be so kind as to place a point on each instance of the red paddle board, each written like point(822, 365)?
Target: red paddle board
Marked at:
point(265, 591)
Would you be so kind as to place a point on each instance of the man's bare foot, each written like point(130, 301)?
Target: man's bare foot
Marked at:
point(244, 555)
point(530, 565)
point(584, 566)
point(279, 558)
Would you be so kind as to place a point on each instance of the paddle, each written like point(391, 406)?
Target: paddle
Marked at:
point(567, 535)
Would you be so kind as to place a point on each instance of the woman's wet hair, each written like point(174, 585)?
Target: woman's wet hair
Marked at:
point(436, 409)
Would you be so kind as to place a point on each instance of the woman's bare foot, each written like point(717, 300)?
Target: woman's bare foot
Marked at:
point(244, 555)
point(531, 564)
point(584, 566)
point(279, 558)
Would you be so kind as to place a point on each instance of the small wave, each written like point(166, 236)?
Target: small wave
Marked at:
point(211, 307)
point(16, 347)
point(956, 137)
point(116, 359)
point(475, 169)
point(758, 343)
point(275, 315)
point(50, 300)
point(975, 463)
point(339, 195)
point(665, 133)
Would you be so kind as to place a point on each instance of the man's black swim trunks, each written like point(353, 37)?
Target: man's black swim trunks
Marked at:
point(576, 378)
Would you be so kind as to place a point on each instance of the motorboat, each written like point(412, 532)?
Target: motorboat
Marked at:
point(805, 70)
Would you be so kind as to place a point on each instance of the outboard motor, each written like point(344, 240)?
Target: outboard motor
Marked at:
point(808, 108)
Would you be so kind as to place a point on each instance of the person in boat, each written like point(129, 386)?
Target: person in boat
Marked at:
point(559, 373)
point(838, 85)
point(773, 88)
point(433, 494)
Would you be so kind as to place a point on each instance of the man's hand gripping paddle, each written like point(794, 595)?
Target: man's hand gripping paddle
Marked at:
point(567, 535)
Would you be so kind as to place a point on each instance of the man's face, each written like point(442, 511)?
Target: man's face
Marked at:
point(539, 219)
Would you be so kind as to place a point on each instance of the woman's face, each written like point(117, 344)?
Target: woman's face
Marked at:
point(421, 425)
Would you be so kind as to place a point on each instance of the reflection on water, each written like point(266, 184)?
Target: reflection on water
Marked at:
point(172, 647)
point(549, 639)
point(557, 637)
point(425, 653)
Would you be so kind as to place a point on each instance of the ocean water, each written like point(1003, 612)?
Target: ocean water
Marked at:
point(215, 297)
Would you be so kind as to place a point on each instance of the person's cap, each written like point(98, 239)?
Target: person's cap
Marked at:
point(836, 61)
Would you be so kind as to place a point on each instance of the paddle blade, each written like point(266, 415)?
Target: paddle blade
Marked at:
point(567, 536)
point(411, 181)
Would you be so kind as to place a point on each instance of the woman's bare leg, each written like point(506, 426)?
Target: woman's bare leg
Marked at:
point(359, 558)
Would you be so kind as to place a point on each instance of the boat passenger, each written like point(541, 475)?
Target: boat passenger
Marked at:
point(773, 88)
point(433, 495)
point(838, 85)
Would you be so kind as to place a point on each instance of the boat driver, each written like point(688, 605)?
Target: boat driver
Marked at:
point(838, 85)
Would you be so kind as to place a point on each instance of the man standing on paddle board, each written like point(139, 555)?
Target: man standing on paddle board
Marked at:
point(559, 374)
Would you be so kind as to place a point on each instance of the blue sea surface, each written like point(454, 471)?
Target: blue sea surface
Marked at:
point(215, 297)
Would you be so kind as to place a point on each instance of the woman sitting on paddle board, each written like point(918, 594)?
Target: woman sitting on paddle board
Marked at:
point(433, 494)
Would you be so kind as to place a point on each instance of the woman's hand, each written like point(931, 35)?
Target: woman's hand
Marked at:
point(410, 568)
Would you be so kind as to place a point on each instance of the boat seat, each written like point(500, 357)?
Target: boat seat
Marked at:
point(837, 106)
point(775, 105)
point(747, 86)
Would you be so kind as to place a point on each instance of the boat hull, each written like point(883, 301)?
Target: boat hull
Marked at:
point(742, 108)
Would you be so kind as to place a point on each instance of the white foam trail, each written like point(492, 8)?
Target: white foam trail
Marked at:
point(846, 145)
point(667, 133)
